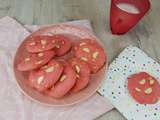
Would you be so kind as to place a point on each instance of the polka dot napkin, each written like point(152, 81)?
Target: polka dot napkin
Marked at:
point(131, 60)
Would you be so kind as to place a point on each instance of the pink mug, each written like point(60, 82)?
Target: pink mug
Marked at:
point(122, 21)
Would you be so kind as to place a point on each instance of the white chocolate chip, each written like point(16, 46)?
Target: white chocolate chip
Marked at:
point(40, 54)
point(43, 42)
point(75, 48)
point(44, 67)
point(40, 79)
point(62, 42)
point(84, 59)
point(38, 62)
point(27, 59)
point(81, 44)
point(142, 82)
point(62, 78)
point(57, 65)
point(150, 78)
point(95, 67)
point(95, 55)
point(86, 50)
point(148, 91)
point(77, 75)
point(77, 68)
point(57, 46)
point(53, 41)
point(73, 63)
point(49, 69)
point(137, 89)
point(151, 81)
point(32, 43)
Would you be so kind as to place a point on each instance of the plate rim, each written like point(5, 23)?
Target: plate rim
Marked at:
point(52, 26)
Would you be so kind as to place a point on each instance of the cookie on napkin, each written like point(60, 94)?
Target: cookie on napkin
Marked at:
point(132, 60)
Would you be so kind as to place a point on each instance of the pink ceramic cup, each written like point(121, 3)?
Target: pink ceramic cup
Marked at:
point(122, 21)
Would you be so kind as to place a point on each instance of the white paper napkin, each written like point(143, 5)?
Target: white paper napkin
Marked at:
point(14, 105)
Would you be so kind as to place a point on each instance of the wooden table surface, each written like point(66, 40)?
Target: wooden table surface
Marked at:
point(145, 35)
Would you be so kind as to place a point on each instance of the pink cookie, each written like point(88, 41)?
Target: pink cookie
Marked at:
point(46, 76)
point(35, 60)
point(83, 74)
point(63, 44)
point(92, 53)
point(65, 83)
point(143, 88)
point(40, 43)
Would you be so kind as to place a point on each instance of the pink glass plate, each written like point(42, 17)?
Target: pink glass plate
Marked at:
point(70, 99)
